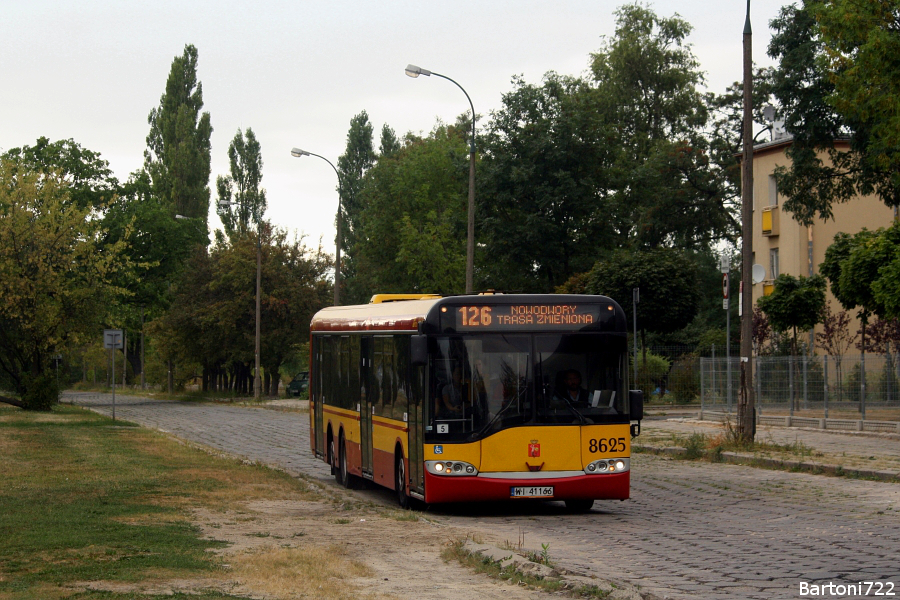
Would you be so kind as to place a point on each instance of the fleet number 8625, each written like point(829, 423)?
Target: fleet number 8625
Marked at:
point(607, 445)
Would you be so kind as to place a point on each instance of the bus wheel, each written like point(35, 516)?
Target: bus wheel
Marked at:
point(400, 482)
point(343, 476)
point(332, 459)
point(579, 505)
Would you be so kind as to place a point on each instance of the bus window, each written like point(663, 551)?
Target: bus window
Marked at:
point(580, 379)
point(479, 384)
point(401, 377)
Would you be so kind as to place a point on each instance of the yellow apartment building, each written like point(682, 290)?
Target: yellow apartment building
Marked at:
point(781, 244)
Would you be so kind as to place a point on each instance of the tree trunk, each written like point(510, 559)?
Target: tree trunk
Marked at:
point(276, 380)
point(13, 401)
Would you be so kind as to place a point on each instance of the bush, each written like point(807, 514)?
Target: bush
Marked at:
point(684, 379)
point(41, 391)
point(651, 375)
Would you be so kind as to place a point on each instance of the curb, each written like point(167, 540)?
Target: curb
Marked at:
point(738, 458)
point(570, 580)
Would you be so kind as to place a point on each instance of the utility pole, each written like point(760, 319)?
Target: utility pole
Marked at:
point(635, 299)
point(746, 414)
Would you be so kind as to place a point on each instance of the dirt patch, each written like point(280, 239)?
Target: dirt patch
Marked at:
point(336, 548)
point(398, 550)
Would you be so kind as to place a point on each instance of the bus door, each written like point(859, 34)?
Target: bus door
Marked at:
point(416, 392)
point(316, 387)
point(367, 401)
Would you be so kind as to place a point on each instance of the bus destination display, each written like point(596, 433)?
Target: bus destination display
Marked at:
point(520, 316)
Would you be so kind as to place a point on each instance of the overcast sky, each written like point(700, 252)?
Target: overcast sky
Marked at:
point(297, 72)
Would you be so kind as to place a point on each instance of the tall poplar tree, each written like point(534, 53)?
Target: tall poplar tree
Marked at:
point(390, 145)
point(178, 148)
point(241, 200)
point(353, 164)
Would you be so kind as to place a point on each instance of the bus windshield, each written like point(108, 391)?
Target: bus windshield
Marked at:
point(479, 384)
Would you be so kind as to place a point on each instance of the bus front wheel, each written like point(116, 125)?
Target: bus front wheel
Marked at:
point(579, 505)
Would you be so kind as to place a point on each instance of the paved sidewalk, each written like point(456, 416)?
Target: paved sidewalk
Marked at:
point(284, 442)
point(860, 453)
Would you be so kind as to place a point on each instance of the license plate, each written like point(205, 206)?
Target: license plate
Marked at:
point(531, 492)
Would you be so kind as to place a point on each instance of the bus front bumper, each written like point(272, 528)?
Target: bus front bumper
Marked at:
point(507, 486)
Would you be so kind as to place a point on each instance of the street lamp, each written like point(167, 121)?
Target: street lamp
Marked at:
point(297, 153)
point(256, 379)
point(414, 71)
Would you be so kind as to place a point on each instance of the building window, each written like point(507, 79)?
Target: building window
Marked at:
point(773, 191)
point(773, 263)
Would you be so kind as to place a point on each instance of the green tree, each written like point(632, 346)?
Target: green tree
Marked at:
point(797, 303)
point(663, 189)
point(211, 323)
point(886, 287)
point(241, 201)
point(353, 164)
point(389, 143)
point(57, 280)
point(357, 159)
point(87, 176)
point(667, 279)
point(726, 130)
point(837, 79)
point(542, 206)
point(413, 211)
point(620, 159)
point(851, 269)
point(158, 247)
point(178, 148)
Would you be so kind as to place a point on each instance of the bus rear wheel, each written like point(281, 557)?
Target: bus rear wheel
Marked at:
point(579, 505)
point(343, 475)
point(332, 459)
point(400, 483)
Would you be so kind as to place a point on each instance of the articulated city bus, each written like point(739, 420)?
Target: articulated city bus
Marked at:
point(471, 398)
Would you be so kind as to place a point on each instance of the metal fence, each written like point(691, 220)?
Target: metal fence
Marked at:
point(831, 387)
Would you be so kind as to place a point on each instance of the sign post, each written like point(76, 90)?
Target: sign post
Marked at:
point(112, 339)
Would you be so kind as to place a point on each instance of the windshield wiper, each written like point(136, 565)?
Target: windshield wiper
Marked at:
point(578, 414)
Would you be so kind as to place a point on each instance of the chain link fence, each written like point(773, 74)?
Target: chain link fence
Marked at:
point(852, 387)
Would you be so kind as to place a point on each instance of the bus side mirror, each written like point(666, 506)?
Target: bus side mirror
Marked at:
point(418, 350)
point(636, 404)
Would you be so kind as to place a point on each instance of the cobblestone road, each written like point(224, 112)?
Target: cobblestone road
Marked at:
point(691, 529)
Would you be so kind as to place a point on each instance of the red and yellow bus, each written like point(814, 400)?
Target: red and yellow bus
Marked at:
point(472, 398)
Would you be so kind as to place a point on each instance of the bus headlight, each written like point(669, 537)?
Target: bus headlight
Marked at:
point(608, 465)
point(450, 467)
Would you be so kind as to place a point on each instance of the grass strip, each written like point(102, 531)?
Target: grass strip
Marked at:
point(87, 499)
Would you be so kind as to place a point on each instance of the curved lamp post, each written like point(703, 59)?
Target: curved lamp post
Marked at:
point(297, 152)
point(414, 71)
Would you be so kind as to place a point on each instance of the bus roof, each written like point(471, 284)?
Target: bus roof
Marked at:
point(407, 315)
point(404, 315)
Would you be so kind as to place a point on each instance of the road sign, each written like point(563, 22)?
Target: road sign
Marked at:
point(725, 303)
point(112, 338)
point(725, 285)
